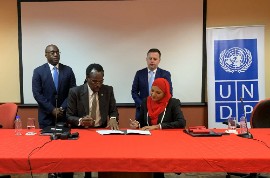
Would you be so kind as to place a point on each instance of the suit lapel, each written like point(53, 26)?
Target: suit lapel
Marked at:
point(84, 95)
point(145, 76)
point(49, 76)
point(157, 73)
point(60, 69)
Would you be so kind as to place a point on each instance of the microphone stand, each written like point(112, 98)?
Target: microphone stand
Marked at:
point(247, 134)
point(53, 136)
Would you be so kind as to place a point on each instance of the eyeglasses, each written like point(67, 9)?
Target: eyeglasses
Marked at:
point(52, 52)
point(97, 81)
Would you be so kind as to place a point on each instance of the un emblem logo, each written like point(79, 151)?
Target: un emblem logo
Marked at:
point(235, 59)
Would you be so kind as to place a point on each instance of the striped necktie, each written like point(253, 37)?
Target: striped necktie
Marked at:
point(94, 106)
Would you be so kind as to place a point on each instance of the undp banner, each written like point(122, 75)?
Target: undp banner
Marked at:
point(235, 70)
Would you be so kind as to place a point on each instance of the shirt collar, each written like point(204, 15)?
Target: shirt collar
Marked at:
point(51, 66)
point(153, 70)
point(89, 90)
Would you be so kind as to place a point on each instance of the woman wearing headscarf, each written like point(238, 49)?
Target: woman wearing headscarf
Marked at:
point(160, 110)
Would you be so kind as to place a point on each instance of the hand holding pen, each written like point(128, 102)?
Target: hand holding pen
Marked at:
point(87, 121)
point(134, 124)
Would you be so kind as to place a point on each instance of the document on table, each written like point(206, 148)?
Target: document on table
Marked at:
point(108, 132)
point(141, 132)
point(124, 132)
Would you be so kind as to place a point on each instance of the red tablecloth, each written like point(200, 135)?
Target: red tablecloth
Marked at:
point(163, 151)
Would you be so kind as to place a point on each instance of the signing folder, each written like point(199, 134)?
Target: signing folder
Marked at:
point(124, 132)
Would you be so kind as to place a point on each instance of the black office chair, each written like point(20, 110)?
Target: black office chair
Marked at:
point(260, 118)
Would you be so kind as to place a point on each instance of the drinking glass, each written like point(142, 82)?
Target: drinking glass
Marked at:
point(31, 126)
point(232, 123)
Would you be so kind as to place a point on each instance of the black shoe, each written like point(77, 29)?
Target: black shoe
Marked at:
point(67, 175)
point(52, 175)
point(158, 175)
point(88, 175)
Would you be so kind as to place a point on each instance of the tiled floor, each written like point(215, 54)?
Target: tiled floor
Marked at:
point(167, 175)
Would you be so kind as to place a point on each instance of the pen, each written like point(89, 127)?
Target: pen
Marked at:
point(136, 122)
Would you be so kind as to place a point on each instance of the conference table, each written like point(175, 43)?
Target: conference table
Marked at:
point(162, 151)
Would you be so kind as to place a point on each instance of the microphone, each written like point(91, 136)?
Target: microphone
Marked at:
point(63, 135)
point(247, 134)
point(53, 136)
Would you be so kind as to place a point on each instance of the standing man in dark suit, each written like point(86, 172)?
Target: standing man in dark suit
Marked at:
point(142, 81)
point(92, 104)
point(50, 84)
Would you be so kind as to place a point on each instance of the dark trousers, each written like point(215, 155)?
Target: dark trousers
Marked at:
point(70, 175)
point(158, 175)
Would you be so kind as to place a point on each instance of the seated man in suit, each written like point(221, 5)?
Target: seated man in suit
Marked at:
point(92, 105)
point(144, 78)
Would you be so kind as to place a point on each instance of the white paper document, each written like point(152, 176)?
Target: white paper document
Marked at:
point(107, 132)
point(124, 132)
point(142, 132)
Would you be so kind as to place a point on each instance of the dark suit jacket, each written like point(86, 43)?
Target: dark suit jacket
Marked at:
point(140, 89)
point(44, 92)
point(173, 117)
point(78, 104)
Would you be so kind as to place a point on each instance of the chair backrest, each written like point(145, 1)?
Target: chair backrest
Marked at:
point(260, 116)
point(8, 113)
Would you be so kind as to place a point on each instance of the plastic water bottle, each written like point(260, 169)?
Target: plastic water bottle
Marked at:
point(243, 125)
point(18, 126)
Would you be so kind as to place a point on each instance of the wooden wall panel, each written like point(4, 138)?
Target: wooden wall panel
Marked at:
point(195, 115)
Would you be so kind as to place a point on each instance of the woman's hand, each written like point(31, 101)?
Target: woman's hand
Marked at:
point(152, 127)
